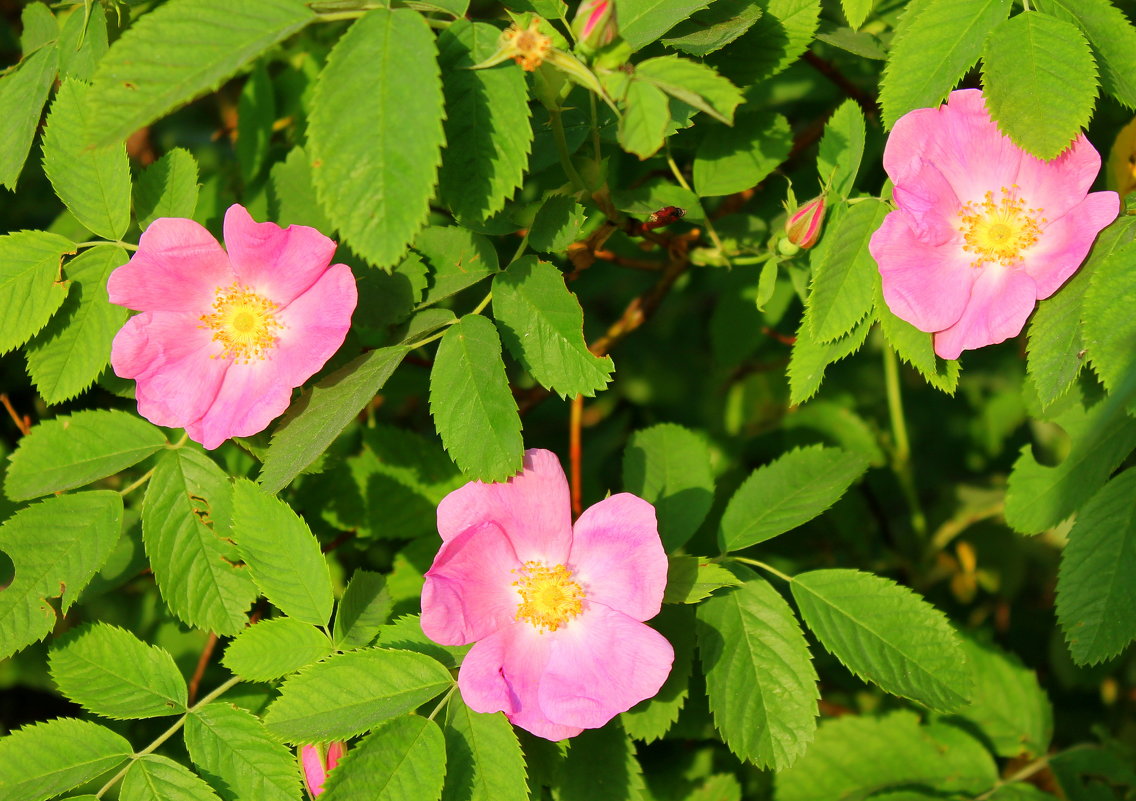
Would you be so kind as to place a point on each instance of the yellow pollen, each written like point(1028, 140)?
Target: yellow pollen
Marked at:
point(999, 231)
point(549, 596)
point(530, 46)
point(243, 322)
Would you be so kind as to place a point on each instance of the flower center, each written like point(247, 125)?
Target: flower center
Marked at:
point(243, 322)
point(529, 46)
point(999, 231)
point(549, 596)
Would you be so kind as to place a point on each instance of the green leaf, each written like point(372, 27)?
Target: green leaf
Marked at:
point(844, 274)
point(601, 763)
point(941, 43)
point(692, 578)
point(179, 51)
point(786, 493)
point(775, 41)
point(294, 194)
point(94, 183)
point(256, 114)
point(487, 123)
point(914, 347)
point(281, 553)
point(185, 525)
point(885, 634)
point(543, 326)
point(1007, 703)
point(646, 115)
point(112, 673)
point(362, 610)
point(155, 778)
point(694, 84)
point(45, 759)
point(273, 648)
point(83, 42)
point(669, 467)
point(351, 693)
point(483, 758)
point(30, 289)
point(73, 450)
point(22, 95)
point(857, 756)
point(713, 28)
point(730, 160)
point(1109, 333)
point(1111, 36)
point(457, 257)
point(84, 529)
point(167, 188)
point(1096, 600)
point(856, 11)
point(39, 27)
point(643, 21)
point(376, 188)
point(649, 720)
point(841, 149)
point(404, 759)
point(406, 634)
point(759, 674)
point(1039, 496)
point(810, 358)
point(1034, 55)
point(472, 406)
point(556, 224)
point(313, 422)
point(74, 348)
point(232, 749)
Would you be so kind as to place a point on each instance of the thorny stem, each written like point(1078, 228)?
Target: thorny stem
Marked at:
point(562, 149)
point(901, 452)
point(168, 733)
point(445, 700)
point(767, 568)
point(575, 453)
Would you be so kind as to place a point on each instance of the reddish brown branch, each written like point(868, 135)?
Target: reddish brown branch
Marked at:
point(23, 423)
point(829, 71)
point(202, 662)
point(574, 453)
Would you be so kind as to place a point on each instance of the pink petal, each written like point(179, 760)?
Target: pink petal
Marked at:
point(1058, 185)
point(178, 267)
point(999, 305)
point(532, 508)
point(618, 558)
point(926, 285)
point(314, 773)
point(602, 664)
point(502, 673)
point(1065, 242)
point(279, 263)
point(251, 396)
point(929, 203)
point(469, 591)
point(961, 140)
point(315, 324)
point(169, 355)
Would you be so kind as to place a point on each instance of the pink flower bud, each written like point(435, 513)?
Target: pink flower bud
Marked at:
point(803, 226)
point(594, 24)
point(317, 760)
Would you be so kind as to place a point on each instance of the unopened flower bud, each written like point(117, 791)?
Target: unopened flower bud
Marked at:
point(316, 761)
point(595, 25)
point(803, 226)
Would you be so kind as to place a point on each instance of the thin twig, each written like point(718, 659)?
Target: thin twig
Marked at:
point(202, 662)
point(574, 453)
point(24, 423)
point(830, 71)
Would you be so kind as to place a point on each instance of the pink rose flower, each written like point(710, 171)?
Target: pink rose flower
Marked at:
point(554, 611)
point(318, 762)
point(983, 230)
point(803, 226)
point(223, 338)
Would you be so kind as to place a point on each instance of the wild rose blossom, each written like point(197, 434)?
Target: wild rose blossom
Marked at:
point(223, 338)
point(317, 761)
point(803, 226)
point(982, 230)
point(554, 611)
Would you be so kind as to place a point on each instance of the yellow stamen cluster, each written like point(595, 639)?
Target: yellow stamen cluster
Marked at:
point(243, 322)
point(549, 596)
point(530, 46)
point(999, 231)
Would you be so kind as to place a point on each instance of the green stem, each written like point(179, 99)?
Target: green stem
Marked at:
point(709, 225)
point(142, 480)
point(562, 149)
point(167, 734)
point(484, 302)
point(97, 242)
point(445, 700)
point(901, 452)
point(763, 566)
